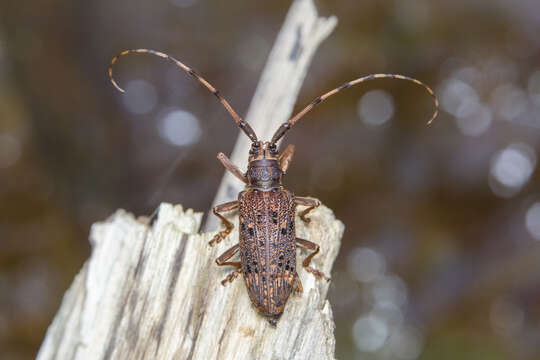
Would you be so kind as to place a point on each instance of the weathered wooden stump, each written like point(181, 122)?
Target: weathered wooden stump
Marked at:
point(154, 292)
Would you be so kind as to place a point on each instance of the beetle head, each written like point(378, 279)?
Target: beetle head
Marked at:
point(263, 150)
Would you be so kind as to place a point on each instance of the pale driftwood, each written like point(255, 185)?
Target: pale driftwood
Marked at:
point(154, 292)
point(278, 87)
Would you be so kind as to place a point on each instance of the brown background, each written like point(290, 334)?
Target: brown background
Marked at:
point(441, 258)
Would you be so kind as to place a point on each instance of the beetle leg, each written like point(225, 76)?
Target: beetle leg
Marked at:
point(286, 157)
point(222, 261)
point(311, 246)
point(298, 284)
point(229, 165)
point(228, 225)
point(233, 275)
point(312, 203)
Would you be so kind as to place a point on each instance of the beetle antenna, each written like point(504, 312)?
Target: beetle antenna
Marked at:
point(242, 124)
point(286, 126)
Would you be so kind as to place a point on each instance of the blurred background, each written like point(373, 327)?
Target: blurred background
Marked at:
point(441, 254)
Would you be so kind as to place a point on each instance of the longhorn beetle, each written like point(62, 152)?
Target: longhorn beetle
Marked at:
point(266, 210)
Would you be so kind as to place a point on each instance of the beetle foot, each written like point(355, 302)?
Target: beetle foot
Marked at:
point(217, 238)
point(273, 319)
point(305, 219)
point(298, 285)
point(230, 277)
point(317, 273)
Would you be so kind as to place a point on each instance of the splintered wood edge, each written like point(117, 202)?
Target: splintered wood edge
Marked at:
point(153, 291)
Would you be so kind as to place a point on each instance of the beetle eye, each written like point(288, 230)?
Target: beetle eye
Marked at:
point(273, 148)
point(255, 148)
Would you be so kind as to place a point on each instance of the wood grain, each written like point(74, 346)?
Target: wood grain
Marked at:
point(154, 292)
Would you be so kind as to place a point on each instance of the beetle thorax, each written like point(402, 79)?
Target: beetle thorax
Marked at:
point(264, 174)
point(263, 171)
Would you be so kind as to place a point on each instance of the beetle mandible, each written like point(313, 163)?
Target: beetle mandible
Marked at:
point(267, 242)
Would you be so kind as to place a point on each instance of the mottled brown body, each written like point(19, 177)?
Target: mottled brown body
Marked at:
point(267, 242)
point(268, 247)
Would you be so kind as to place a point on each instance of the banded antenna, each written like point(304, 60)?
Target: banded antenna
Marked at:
point(242, 124)
point(290, 123)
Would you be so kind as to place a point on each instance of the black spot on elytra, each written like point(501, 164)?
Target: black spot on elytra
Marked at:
point(251, 232)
